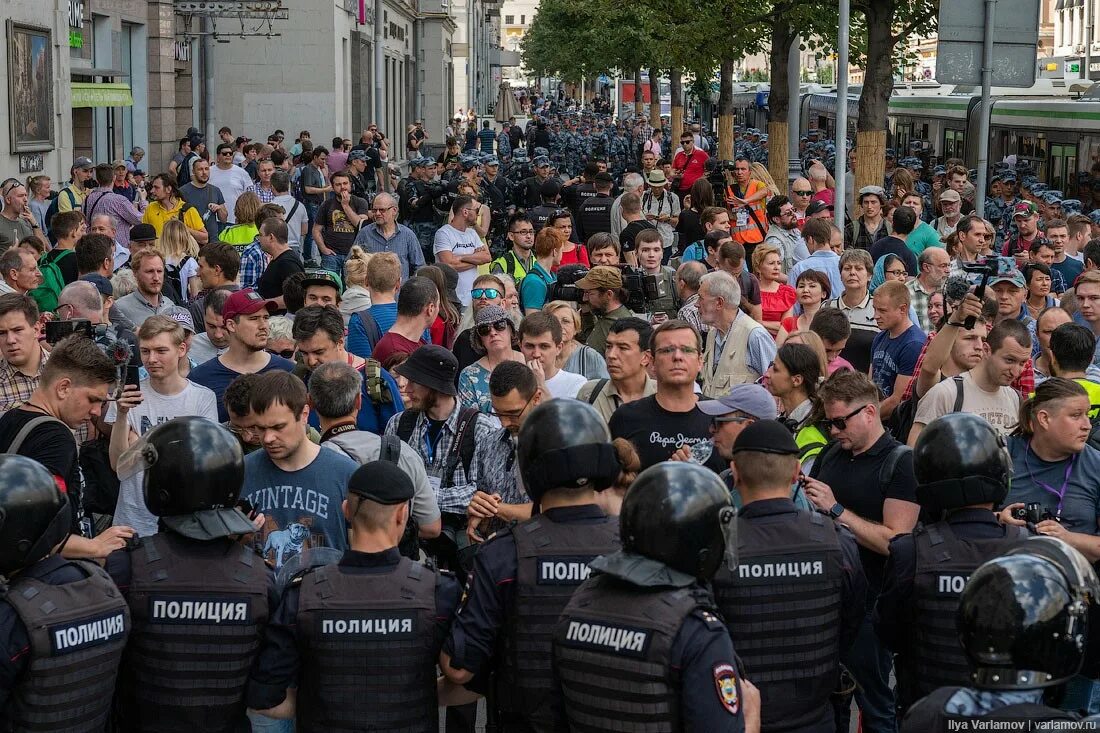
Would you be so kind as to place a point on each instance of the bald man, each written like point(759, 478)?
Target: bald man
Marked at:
point(386, 235)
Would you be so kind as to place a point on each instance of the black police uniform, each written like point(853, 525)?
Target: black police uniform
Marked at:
point(521, 581)
point(64, 625)
point(360, 640)
point(594, 215)
point(793, 605)
point(199, 609)
point(931, 713)
point(925, 573)
point(529, 193)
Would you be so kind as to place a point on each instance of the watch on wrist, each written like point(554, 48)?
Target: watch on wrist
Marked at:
point(836, 510)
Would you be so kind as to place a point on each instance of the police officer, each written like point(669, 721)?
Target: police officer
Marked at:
point(796, 599)
point(645, 622)
point(190, 586)
point(63, 623)
point(1023, 620)
point(529, 192)
point(359, 639)
point(961, 468)
point(523, 577)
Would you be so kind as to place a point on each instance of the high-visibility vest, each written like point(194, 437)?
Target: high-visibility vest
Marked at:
point(743, 228)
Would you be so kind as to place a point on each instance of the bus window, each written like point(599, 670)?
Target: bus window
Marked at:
point(954, 144)
point(1063, 167)
point(902, 135)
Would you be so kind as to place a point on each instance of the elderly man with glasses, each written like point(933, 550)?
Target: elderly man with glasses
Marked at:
point(386, 235)
point(17, 220)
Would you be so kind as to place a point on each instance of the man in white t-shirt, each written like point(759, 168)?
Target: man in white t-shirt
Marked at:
point(540, 342)
point(457, 244)
point(294, 211)
point(984, 390)
point(163, 396)
point(231, 180)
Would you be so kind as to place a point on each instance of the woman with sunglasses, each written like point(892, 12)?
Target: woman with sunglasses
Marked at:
point(572, 253)
point(493, 337)
point(575, 357)
point(487, 290)
point(793, 378)
point(812, 289)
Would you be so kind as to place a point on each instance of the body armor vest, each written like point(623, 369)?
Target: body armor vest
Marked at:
point(368, 651)
point(77, 632)
point(782, 606)
point(944, 563)
point(552, 561)
point(198, 617)
point(613, 656)
point(929, 715)
point(594, 215)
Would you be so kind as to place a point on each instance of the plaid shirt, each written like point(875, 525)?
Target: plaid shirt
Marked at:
point(267, 195)
point(919, 300)
point(1024, 384)
point(253, 264)
point(15, 386)
point(455, 498)
point(497, 469)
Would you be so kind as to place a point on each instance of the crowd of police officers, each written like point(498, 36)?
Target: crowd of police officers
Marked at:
point(678, 615)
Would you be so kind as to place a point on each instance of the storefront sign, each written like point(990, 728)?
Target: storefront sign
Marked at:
point(76, 13)
point(183, 51)
point(31, 162)
point(101, 95)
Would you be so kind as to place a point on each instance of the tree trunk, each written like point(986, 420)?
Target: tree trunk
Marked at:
point(779, 101)
point(676, 92)
point(638, 98)
point(725, 111)
point(874, 98)
point(654, 97)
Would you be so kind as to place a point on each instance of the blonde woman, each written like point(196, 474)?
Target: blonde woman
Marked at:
point(244, 231)
point(356, 297)
point(760, 174)
point(181, 263)
point(575, 357)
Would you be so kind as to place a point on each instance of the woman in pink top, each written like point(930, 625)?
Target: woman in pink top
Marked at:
point(776, 298)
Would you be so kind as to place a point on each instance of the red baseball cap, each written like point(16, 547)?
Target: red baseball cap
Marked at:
point(246, 302)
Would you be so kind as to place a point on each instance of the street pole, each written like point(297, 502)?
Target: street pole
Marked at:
point(1088, 40)
point(379, 68)
point(840, 164)
point(983, 130)
point(794, 164)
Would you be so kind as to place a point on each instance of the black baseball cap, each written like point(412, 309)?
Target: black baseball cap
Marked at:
point(381, 481)
point(816, 207)
point(766, 436)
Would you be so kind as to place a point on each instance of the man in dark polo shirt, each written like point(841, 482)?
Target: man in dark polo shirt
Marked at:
point(865, 481)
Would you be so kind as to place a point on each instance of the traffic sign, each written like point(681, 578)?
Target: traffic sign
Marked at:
point(961, 36)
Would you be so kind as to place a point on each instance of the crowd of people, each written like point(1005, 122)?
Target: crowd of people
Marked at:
point(376, 423)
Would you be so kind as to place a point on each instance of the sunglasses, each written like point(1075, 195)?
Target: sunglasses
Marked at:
point(841, 423)
point(486, 328)
point(479, 293)
point(285, 353)
point(717, 422)
point(803, 193)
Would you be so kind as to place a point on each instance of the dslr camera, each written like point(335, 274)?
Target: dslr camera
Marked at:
point(640, 288)
point(1033, 513)
point(121, 351)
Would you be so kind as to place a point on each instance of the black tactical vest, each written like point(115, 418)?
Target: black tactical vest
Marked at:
point(782, 606)
point(198, 620)
point(613, 640)
point(552, 560)
point(77, 632)
point(368, 651)
point(944, 563)
point(594, 215)
point(928, 715)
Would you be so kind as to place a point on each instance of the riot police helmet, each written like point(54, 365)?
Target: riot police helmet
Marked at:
point(564, 444)
point(679, 514)
point(34, 514)
point(194, 470)
point(1023, 617)
point(960, 460)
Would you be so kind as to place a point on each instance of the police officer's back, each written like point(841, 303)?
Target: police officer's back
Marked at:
point(961, 468)
point(63, 623)
point(796, 599)
point(360, 639)
point(524, 576)
point(645, 622)
point(198, 598)
point(1023, 621)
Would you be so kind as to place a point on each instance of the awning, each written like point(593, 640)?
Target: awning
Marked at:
point(90, 94)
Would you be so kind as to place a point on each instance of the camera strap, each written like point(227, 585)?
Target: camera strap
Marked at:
point(1060, 492)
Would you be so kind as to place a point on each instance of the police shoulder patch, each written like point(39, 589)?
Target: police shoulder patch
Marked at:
point(712, 620)
point(725, 683)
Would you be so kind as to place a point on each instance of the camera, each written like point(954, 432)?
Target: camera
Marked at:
point(57, 330)
point(1033, 513)
point(122, 352)
point(981, 271)
point(640, 288)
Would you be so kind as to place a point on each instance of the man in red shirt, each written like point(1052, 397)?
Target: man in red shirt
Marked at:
point(1026, 217)
point(688, 165)
point(417, 308)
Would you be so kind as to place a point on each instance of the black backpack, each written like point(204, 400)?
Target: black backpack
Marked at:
point(461, 450)
point(409, 545)
point(901, 422)
point(175, 272)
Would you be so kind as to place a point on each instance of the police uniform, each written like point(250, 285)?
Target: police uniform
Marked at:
point(359, 639)
point(925, 573)
point(63, 623)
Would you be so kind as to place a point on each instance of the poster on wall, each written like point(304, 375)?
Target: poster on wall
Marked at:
point(30, 88)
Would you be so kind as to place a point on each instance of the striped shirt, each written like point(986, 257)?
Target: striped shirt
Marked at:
point(122, 210)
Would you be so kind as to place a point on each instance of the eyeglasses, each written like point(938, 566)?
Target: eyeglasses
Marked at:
point(514, 414)
point(670, 350)
point(486, 328)
point(803, 193)
point(382, 211)
point(786, 212)
point(522, 232)
point(841, 423)
point(716, 422)
point(285, 353)
point(896, 273)
point(479, 293)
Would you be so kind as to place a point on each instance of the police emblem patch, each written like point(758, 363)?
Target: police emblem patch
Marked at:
point(725, 682)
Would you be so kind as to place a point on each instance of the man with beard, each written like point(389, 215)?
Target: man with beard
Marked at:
point(603, 291)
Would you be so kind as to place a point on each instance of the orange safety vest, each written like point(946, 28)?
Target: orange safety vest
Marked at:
point(743, 228)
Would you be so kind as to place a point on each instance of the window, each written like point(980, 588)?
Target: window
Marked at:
point(954, 144)
point(509, 20)
point(523, 20)
point(1063, 167)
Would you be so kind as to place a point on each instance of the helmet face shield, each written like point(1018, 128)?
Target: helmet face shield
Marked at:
point(141, 456)
point(728, 519)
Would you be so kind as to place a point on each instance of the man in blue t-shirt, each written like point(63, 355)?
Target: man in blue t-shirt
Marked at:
point(897, 346)
point(246, 315)
point(298, 487)
point(319, 338)
point(383, 280)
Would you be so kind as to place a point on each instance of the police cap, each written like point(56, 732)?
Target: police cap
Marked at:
point(766, 436)
point(381, 481)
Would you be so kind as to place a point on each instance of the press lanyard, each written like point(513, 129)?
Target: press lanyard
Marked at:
point(1060, 493)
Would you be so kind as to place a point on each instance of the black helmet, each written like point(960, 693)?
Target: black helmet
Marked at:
point(194, 470)
point(1023, 617)
point(564, 443)
point(34, 514)
point(959, 460)
point(679, 514)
